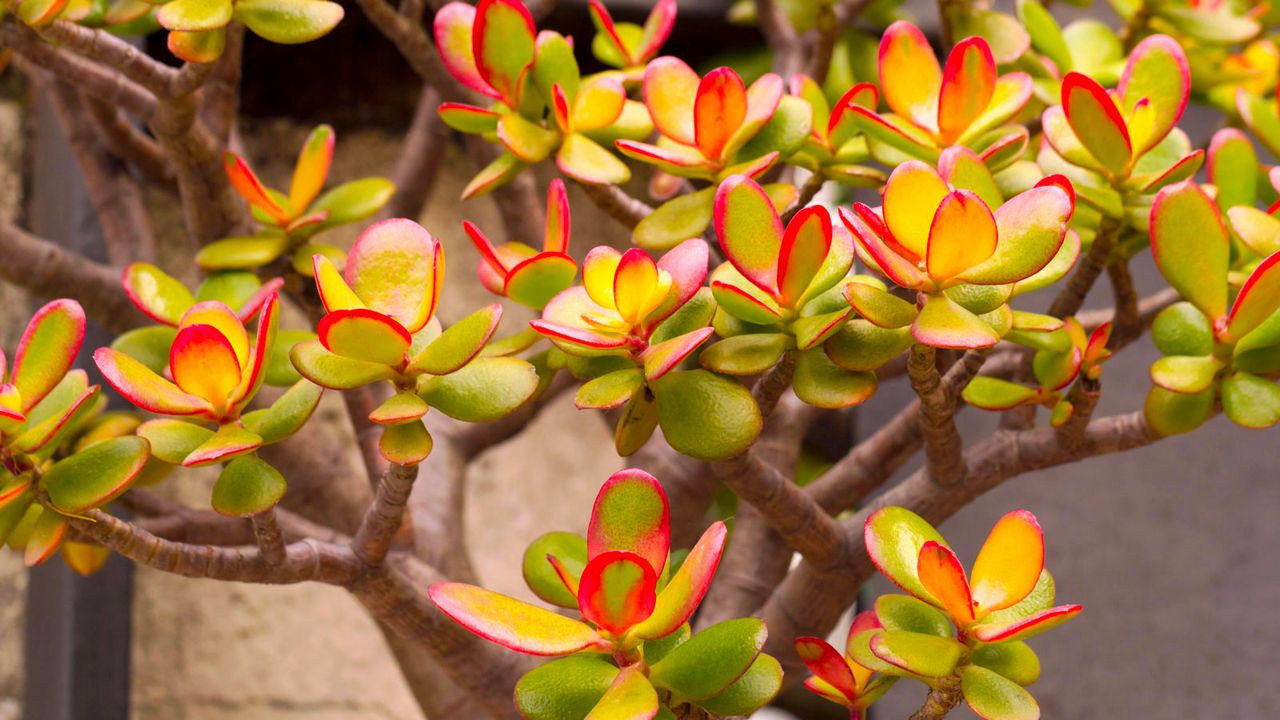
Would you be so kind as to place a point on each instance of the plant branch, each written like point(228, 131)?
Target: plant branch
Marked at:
point(130, 144)
point(943, 447)
point(1127, 323)
point(115, 52)
point(941, 700)
point(221, 99)
point(617, 204)
point(781, 37)
point(270, 539)
point(415, 46)
point(1071, 297)
point(808, 192)
point(770, 387)
point(373, 539)
point(419, 162)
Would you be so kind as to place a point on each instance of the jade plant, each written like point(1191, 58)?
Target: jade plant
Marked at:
point(770, 234)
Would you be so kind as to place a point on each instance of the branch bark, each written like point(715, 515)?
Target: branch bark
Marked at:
point(617, 204)
point(373, 539)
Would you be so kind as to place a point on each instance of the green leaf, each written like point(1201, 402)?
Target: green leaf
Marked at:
point(1015, 661)
point(286, 415)
point(288, 22)
point(785, 132)
point(1171, 413)
point(813, 330)
point(610, 390)
point(231, 440)
point(993, 697)
point(1251, 401)
point(584, 160)
point(400, 408)
point(711, 660)
point(631, 696)
point(195, 15)
point(1046, 35)
point(280, 369)
point(407, 443)
point(353, 201)
point(565, 688)
point(554, 64)
point(693, 315)
point(173, 440)
point(928, 656)
point(1031, 227)
point(656, 649)
point(247, 486)
point(756, 688)
point(1187, 375)
point(1181, 329)
point(943, 323)
point(822, 383)
point(881, 308)
point(706, 416)
point(903, 612)
point(40, 12)
point(148, 345)
point(1258, 230)
point(744, 355)
point(47, 532)
point(331, 370)
point(96, 475)
point(894, 537)
point(486, 389)
point(242, 253)
point(570, 550)
point(991, 393)
point(460, 343)
point(636, 426)
point(675, 221)
point(1191, 246)
point(860, 346)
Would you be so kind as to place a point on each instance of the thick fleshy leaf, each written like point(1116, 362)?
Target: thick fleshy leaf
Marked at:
point(861, 346)
point(246, 183)
point(750, 232)
point(664, 357)
point(684, 216)
point(631, 514)
point(567, 687)
point(514, 624)
point(1233, 169)
point(705, 415)
point(534, 282)
point(1258, 300)
point(941, 574)
point(48, 530)
point(396, 268)
point(503, 45)
point(686, 588)
point(1097, 122)
point(894, 537)
point(173, 440)
point(928, 656)
point(909, 74)
point(65, 408)
point(224, 321)
point(670, 92)
point(874, 247)
point(528, 141)
point(1009, 564)
point(993, 697)
point(911, 199)
point(828, 664)
point(406, 443)
point(996, 394)
point(610, 390)
point(552, 565)
point(144, 388)
point(630, 697)
point(803, 251)
point(288, 22)
point(236, 253)
point(1027, 627)
point(968, 83)
point(1257, 229)
point(487, 389)
point(711, 660)
point(1191, 246)
point(331, 370)
point(1157, 74)
point(756, 688)
point(96, 475)
point(247, 486)
point(468, 118)
point(821, 383)
point(617, 590)
point(400, 408)
point(719, 109)
point(197, 47)
point(1015, 661)
point(194, 15)
point(47, 349)
point(943, 323)
point(744, 355)
point(312, 168)
point(1188, 375)
point(286, 415)
point(1251, 401)
point(231, 440)
point(1032, 226)
point(453, 35)
point(1171, 413)
point(204, 364)
point(461, 342)
point(903, 612)
point(156, 294)
point(963, 234)
point(772, 123)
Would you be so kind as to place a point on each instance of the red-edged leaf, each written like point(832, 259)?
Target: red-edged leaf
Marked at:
point(617, 590)
point(1258, 300)
point(828, 664)
point(364, 335)
point(453, 29)
point(631, 514)
point(312, 168)
point(910, 77)
point(1191, 246)
point(1009, 564)
point(556, 238)
point(503, 39)
point(204, 364)
point(968, 82)
point(686, 588)
point(142, 387)
point(718, 111)
point(871, 234)
point(1096, 121)
point(670, 91)
point(396, 268)
point(666, 356)
point(247, 184)
point(942, 575)
point(514, 624)
point(47, 350)
point(804, 248)
point(750, 231)
point(1029, 626)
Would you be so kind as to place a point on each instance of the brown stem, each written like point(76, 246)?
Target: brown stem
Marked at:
point(827, 32)
point(770, 387)
point(617, 204)
point(415, 46)
point(1127, 321)
point(780, 36)
point(107, 85)
point(1148, 308)
point(808, 191)
point(373, 539)
point(360, 403)
point(221, 99)
point(270, 539)
point(127, 142)
point(47, 270)
point(943, 447)
point(1084, 399)
point(1072, 296)
point(941, 700)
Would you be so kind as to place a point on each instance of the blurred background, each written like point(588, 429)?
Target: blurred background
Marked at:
point(1169, 548)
